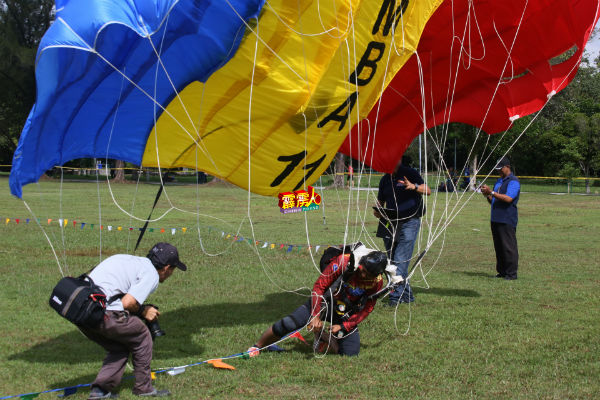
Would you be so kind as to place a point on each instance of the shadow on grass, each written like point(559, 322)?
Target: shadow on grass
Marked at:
point(483, 274)
point(446, 292)
point(180, 326)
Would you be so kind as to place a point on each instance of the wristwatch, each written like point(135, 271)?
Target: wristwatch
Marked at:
point(493, 193)
point(416, 186)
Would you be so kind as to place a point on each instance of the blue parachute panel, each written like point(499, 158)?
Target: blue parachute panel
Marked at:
point(116, 63)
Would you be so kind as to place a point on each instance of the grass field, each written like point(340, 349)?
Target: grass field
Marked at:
point(466, 336)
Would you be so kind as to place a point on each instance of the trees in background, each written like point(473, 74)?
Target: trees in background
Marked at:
point(22, 24)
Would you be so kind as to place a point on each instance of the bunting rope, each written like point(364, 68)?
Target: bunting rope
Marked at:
point(236, 238)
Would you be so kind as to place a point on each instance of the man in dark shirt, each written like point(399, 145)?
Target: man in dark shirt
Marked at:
point(400, 209)
point(504, 218)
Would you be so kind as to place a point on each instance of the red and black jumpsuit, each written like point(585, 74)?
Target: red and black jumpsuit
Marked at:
point(352, 294)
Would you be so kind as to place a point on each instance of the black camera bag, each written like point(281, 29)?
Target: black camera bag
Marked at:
point(79, 300)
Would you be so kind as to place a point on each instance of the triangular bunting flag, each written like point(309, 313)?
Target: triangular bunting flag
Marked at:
point(317, 249)
point(152, 375)
point(49, 220)
point(265, 245)
point(110, 227)
point(272, 245)
point(173, 230)
point(281, 246)
point(162, 230)
point(69, 391)
point(297, 335)
point(29, 396)
point(119, 228)
point(82, 225)
point(74, 224)
point(17, 220)
point(176, 371)
point(101, 227)
point(151, 229)
point(60, 222)
point(8, 220)
point(91, 226)
point(183, 230)
point(220, 364)
point(290, 248)
point(66, 221)
point(27, 221)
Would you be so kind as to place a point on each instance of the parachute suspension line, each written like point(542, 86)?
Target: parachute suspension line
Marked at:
point(101, 57)
point(99, 214)
point(266, 269)
point(450, 218)
point(197, 142)
point(198, 213)
point(289, 27)
point(484, 160)
point(263, 42)
point(137, 184)
point(60, 213)
point(33, 216)
point(112, 129)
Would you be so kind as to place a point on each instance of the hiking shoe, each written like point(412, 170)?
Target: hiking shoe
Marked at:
point(98, 393)
point(253, 351)
point(155, 393)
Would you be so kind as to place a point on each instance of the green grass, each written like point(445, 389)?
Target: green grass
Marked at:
point(468, 335)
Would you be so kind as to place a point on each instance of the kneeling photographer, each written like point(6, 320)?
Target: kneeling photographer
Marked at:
point(129, 325)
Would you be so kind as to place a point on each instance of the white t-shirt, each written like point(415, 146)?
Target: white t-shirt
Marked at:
point(125, 274)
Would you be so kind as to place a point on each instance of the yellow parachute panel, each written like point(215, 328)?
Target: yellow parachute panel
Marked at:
point(303, 76)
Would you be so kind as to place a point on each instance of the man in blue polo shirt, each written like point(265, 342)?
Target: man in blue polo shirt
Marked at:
point(399, 209)
point(504, 199)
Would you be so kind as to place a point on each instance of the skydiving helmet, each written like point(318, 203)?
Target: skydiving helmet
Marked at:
point(375, 262)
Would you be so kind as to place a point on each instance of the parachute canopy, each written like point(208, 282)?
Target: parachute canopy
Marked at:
point(260, 94)
point(484, 63)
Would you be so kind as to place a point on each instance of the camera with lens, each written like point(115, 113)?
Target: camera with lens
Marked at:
point(153, 326)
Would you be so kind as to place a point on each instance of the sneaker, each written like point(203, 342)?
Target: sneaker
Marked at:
point(155, 393)
point(499, 276)
point(98, 393)
point(253, 351)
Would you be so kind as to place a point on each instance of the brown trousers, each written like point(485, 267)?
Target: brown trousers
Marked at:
point(120, 334)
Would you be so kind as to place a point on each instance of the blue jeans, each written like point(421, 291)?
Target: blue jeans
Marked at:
point(406, 236)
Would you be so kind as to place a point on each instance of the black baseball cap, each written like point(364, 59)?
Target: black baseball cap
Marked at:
point(165, 254)
point(503, 162)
